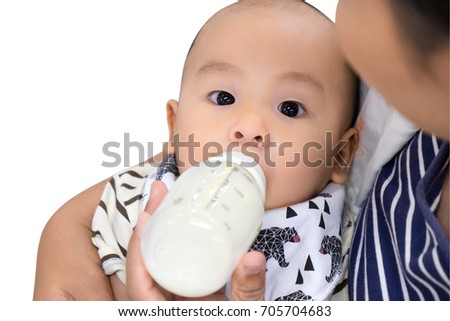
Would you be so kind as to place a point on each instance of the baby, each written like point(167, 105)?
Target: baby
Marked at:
point(266, 78)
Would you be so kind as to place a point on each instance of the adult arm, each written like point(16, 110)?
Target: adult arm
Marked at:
point(68, 266)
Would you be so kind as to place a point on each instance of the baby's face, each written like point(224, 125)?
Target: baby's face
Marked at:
point(269, 83)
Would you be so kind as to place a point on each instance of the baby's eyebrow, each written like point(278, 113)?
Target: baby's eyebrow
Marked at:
point(304, 78)
point(217, 66)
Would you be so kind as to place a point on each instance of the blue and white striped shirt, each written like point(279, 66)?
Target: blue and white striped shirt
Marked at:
point(399, 250)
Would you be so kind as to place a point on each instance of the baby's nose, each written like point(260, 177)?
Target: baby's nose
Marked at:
point(249, 128)
point(246, 135)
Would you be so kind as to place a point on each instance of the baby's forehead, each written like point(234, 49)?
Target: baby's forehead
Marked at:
point(311, 30)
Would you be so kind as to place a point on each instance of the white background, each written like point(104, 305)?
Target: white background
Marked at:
point(75, 75)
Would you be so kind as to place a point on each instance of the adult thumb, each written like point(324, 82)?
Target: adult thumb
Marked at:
point(249, 277)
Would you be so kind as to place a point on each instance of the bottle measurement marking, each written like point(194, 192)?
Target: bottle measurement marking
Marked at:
point(225, 182)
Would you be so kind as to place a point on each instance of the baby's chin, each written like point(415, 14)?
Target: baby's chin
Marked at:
point(269, 205)
point(282, 194)
point(277, 201)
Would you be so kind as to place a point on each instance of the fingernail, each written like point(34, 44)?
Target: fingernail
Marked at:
point(254, 269)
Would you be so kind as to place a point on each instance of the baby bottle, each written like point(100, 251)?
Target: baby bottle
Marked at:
point(206, 222)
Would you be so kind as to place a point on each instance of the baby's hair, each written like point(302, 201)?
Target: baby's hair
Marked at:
point(242, 4)
point(281, 3)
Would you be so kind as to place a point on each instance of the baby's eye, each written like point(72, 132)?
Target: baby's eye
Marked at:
point(291, 109)
point(220, 97)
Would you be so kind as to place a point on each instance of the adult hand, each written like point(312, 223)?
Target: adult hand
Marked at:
point(247, 283)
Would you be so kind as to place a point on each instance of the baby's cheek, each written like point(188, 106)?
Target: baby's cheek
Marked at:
point(189, 153)
point(283, 188)
point(287, 185)
point(313, 155)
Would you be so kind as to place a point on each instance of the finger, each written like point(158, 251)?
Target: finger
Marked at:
point(140, 284)
point(157, 193)
point(249, 277)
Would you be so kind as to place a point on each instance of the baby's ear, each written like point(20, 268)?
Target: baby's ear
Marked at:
point(171, 114)
point(344, 158)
